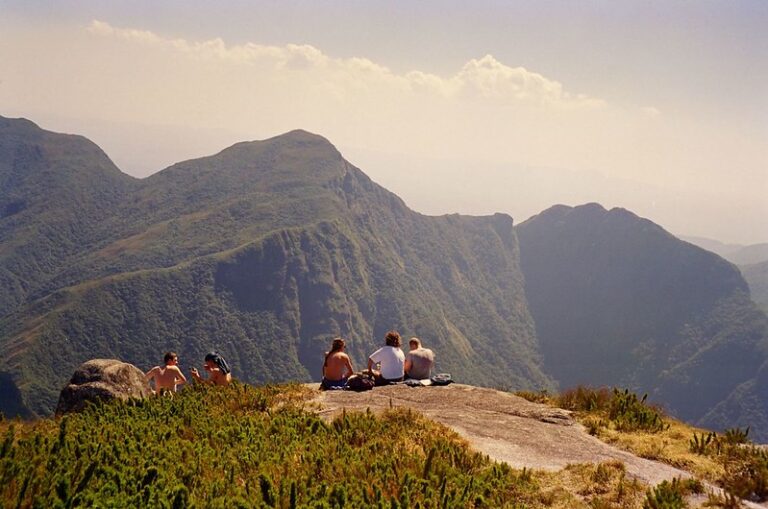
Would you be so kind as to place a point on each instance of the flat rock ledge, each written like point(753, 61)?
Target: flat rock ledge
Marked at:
point(504, 426)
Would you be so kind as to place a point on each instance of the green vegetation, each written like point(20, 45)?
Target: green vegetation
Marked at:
point(727, 460)
point(242, 446)
point(264, 251)
point(671, 494)
point(620, 410)
point(700, 444)
point(268, 249)
point(618, 301)
point(630, 413)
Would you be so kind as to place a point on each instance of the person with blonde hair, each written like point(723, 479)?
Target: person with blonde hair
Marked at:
point(390, 359)
point(336, 367)
point(419, 361)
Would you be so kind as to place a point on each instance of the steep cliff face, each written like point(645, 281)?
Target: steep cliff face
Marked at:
point(619, 301)
point(266, 251)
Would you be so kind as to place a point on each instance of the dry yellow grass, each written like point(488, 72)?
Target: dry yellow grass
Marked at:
point(603, 486)
point(671, 446)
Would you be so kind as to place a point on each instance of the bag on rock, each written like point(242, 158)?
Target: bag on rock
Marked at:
point(360, 383)
point(442, 379)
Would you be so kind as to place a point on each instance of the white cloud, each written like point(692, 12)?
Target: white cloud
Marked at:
point(486, 115)
point(485, 77)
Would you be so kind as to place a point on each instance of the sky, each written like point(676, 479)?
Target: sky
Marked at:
point(660, 107)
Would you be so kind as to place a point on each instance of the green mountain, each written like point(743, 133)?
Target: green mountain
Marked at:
point(54, 191)
point(268, 249)
point(619, 301)
point(263, 251)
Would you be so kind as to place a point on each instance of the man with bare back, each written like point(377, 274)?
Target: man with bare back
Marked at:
point(166, 377)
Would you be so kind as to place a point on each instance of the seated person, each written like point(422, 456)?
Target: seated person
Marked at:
point(217, 368)
point(419, 361)
point(390, 359)
point(336, 367)
point(166, 377)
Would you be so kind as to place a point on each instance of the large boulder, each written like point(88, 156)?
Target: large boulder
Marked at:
point(102, 379)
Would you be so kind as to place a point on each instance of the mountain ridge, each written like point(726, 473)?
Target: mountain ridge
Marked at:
point(617, 300)
point(267, 249)
point(194, 249)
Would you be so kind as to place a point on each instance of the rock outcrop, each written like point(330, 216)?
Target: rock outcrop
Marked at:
point(102, 379)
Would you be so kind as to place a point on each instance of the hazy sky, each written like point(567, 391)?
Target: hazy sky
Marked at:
point(472, 107)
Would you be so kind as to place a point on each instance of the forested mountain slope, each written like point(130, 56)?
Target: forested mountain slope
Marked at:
point(264, 251)
point(619, 301)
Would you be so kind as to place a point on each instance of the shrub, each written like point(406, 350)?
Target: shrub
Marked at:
point(746, 472)
point(631, 414)
point(585, 399)
point(734, 436)
point(667, 495)
point(535, 397)
point(701, 444)
point(241, 446)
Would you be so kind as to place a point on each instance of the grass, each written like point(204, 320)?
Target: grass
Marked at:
point(252, 447)
point(242, 446)
point(727, 460)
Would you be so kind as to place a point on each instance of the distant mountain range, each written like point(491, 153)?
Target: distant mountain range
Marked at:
point(739, 254)
point(619, 301)
point(268, 249)
point(752, 261)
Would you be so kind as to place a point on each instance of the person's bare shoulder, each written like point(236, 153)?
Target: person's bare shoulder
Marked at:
point(152, 371)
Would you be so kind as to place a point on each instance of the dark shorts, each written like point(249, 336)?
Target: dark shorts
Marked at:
point(333, 384)
point(380, 380)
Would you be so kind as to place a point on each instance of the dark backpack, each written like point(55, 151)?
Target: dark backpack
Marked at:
point(360, 383)
point(442, 379)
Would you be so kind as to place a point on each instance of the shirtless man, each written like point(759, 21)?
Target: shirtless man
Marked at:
point(419, 361)
point(166, 377)
point(337, 367)
point(217, 368)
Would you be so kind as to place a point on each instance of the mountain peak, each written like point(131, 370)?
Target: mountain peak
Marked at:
point(17, 123)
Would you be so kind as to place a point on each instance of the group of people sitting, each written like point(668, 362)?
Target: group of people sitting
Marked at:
point(169, 376)
point(387, 365)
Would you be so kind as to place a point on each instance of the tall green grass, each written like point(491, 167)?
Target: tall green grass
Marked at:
point(246, 447)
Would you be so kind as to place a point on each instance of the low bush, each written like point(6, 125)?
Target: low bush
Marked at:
point(630, 413)
point(241, 446)
point(667, 495)
point(585, 399)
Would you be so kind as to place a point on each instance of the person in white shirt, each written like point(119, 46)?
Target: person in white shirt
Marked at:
point(391, 360)
point(419, 361)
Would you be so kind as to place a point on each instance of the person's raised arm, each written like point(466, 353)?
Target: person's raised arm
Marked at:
point(196, 376)
point(152, 373)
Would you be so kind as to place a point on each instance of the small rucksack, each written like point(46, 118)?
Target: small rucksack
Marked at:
point(442, 379)
point(360, 383)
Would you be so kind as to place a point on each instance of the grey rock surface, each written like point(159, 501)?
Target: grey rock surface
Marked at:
point(102, 379)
